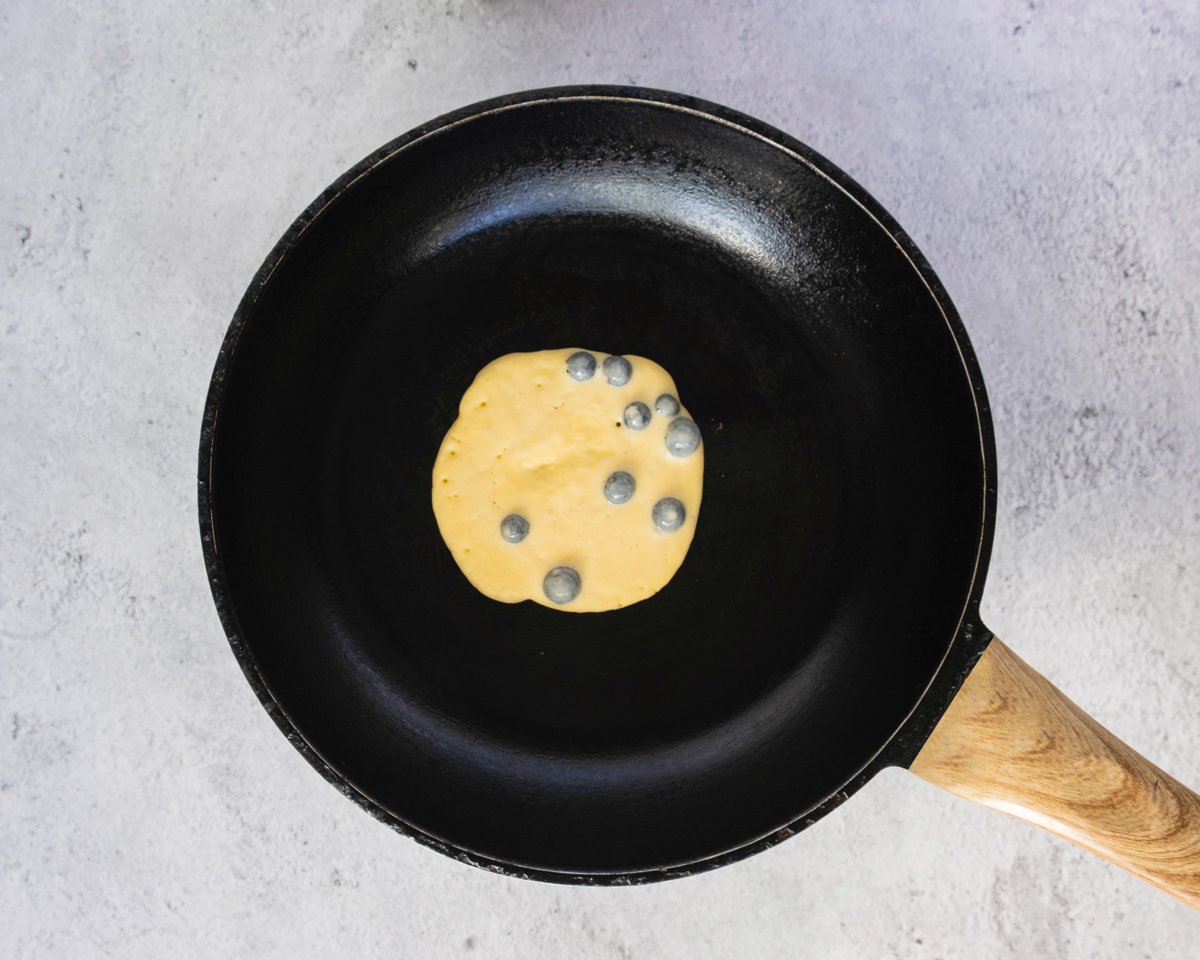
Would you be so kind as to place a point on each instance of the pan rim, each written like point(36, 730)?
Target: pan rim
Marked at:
point(966, 642)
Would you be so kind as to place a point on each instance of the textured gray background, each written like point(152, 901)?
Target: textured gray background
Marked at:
point(1045, 157)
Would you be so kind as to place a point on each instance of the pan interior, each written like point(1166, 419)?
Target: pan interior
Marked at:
point(842, 510)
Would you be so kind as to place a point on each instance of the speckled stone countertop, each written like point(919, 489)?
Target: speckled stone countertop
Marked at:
point(1045, 157)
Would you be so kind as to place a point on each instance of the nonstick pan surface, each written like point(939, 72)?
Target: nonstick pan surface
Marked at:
point(827, 609)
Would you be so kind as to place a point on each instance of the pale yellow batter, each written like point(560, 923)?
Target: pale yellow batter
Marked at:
point(524, 482)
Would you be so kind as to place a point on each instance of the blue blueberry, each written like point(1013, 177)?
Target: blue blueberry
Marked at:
point(683, 437)
point(637, 416)
point(581, 366)
point(668, 514)
point(667, 405)
point(619, 487)
point(562, 584)
point(617, 370)
point(514, 528)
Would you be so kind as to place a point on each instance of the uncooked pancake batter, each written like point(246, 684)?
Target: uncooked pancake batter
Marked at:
point(571, 478)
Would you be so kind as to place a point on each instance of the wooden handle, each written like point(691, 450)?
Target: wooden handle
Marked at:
point(1011, 741)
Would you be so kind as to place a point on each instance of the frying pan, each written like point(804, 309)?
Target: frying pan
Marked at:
point(825, 623)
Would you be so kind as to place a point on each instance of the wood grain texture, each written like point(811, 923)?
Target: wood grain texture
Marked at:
point(1012, 741)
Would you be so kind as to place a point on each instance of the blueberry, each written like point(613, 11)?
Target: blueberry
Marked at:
point(668, 514)
point(667, 405)
point(617, 370)
point(514, 528)
point(619, 487)
point(562, 584)
point(637, 416)
point(581, 366)
point(683, 437)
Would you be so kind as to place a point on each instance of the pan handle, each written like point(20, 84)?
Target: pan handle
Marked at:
point(1012, 741)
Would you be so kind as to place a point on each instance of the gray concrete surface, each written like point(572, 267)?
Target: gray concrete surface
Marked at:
point(1046, 157)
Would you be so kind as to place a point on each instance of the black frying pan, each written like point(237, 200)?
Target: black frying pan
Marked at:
point(827, 611)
